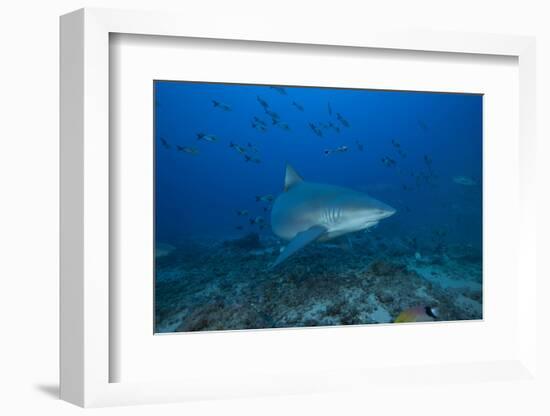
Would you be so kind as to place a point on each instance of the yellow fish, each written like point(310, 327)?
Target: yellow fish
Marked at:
point(418, 314)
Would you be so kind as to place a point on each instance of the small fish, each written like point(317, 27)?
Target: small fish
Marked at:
point(238, 148)
point(252, 148)
point(418, 314)
point(464, 180)
point(401, 152)
point(257, 220)
point(282, 125)
point(274, 116)
point(342, 120)
point(265, 198)
point(165, 144)
point(280, 90)
point(239, 227)
point(329, 109)
point(388, 161)
point(249, 158)
point(267, 208)
point(359, 145)
point(259, 127)
point(298, 106)
point(395, 143)
point(262, 102)
point(324, 126)
point(242, 213)
point(341, 149)
point(316, 129)
point(207, 137)
point(221, 106)
point(423, 125)
point(188, 150)
point(334, 127)
point(258, 120)
point(427, 160)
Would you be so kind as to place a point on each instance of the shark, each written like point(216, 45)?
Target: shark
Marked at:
point(306, 212)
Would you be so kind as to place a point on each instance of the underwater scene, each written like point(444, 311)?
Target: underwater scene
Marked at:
point(287, 206)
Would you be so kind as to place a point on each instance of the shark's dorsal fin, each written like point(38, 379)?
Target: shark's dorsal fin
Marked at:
point(291, 177)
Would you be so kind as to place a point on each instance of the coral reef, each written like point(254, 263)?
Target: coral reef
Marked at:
point(250, 241)
point(228, 285)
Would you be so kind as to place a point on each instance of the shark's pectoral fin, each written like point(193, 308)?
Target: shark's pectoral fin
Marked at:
point(300, 240)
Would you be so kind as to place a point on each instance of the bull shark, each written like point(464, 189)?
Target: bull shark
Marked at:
point(306, 212)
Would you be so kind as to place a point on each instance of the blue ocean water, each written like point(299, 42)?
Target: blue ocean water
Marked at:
point(420, 152)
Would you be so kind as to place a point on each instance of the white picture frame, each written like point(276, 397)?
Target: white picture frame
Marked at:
point(85, 206)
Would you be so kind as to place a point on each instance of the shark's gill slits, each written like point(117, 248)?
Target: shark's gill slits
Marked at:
point(325, 218)
point(332, 216)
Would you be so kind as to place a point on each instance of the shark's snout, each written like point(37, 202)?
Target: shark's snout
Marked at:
point(382, 211)
point(387, 212)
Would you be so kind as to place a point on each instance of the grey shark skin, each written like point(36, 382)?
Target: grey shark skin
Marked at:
point(307, 212)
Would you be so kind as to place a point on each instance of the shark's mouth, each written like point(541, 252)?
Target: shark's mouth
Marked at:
point(370, 224)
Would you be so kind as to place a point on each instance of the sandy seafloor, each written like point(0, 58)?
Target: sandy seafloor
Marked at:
point(225, 284)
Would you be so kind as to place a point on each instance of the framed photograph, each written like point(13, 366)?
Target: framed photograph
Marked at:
point(245, 241)
point(311, 204)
